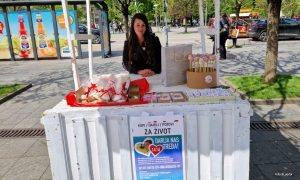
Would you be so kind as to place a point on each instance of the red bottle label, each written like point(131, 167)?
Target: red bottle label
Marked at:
point(1, 27)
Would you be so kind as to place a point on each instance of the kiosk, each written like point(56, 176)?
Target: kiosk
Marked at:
point(96, 143)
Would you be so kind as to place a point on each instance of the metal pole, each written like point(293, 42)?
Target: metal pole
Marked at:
point(71, 45)
point(34, 48)
point(201, 25)
point(90, 48)
point(77, 31)
point(100, 14)
point(11, 49)
point(55, 32)
point(135, 5)
point(205, 14)
point(217, 35)
point(166, 22)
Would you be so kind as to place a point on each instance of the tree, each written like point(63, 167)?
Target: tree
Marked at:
point(123, 7)
point(183, 9)
point(290, 8)
point(274, 7)
point(236, 5)
point(261, 7)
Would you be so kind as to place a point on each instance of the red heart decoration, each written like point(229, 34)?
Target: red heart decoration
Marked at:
point(155, 150)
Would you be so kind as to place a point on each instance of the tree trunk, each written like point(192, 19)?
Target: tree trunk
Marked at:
point(126, 26)
point(185, 24)
point(274, 7)
point(237, 9)
point(125, 17)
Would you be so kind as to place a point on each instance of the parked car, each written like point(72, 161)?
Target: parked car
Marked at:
point(288, 29)
point(96, 32)
point(243, 27)
point(297, 20)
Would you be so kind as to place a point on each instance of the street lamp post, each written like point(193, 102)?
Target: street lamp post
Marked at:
point(136, 8)
point(165, 3)
point(155, 6)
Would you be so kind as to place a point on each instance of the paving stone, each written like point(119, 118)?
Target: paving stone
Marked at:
point(260, 136)
point(13, 120)
point(28, 168)
point(280, 171)
point(266, 152)
point(293, 132)
point(2, 141)
point(16, 148)
point(38, 125)
point(6, 164)
point(276, 112)
point(298, 164)
point(256, 117)
point(290, 149)
point(47, 174)
point(39, 148)
point(255, 174)
point(27, 123)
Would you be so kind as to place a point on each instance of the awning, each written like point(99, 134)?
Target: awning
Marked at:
point(241, 15)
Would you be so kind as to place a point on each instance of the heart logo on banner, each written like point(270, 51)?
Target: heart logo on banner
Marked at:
point(155, 150)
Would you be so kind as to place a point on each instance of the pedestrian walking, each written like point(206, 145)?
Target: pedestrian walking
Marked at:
point(224, 33)
point(234, 32)
point(120, 27)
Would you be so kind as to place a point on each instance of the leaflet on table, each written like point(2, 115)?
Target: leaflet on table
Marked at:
point(157, 147)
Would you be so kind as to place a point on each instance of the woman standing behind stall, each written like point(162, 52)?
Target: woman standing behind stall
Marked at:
point(142, 52)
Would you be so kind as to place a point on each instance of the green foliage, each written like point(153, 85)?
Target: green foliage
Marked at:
point(261, 6)
point(286, 86)
point(184, 8)
point(8, 89)
point(290, 8)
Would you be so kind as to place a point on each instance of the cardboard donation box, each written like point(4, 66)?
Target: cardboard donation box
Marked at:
point(201, 80)
point(202, 72)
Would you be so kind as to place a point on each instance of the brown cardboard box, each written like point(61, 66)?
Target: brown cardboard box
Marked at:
point(201, 80)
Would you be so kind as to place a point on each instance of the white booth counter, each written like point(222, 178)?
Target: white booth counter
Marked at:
point(96, 143)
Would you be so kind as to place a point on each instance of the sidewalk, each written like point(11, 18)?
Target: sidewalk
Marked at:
point(272, 152)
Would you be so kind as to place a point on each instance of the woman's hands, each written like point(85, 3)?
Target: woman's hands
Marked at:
point(146, 72)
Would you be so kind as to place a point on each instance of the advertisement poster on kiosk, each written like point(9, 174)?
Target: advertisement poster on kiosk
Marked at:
point(20, 34)
point(62, 32)
point(44, 34)
point(4, 50)
point(105, 32)
point(157, 147)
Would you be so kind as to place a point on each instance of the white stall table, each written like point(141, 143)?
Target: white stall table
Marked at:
point(94, 142)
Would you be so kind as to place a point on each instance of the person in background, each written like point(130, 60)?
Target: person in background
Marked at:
point(142, 51)
point(224, 32)
point(234, 31)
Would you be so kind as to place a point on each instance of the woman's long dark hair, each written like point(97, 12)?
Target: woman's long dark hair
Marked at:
point(133, 40)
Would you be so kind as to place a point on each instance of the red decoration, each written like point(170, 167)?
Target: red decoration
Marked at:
point(155, 150)
point(1, 27)
point(143, 86)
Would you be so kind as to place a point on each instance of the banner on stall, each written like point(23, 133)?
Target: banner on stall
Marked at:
point(20, 34)
point(157, 147)
point(4, 50)
point(44, 33)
